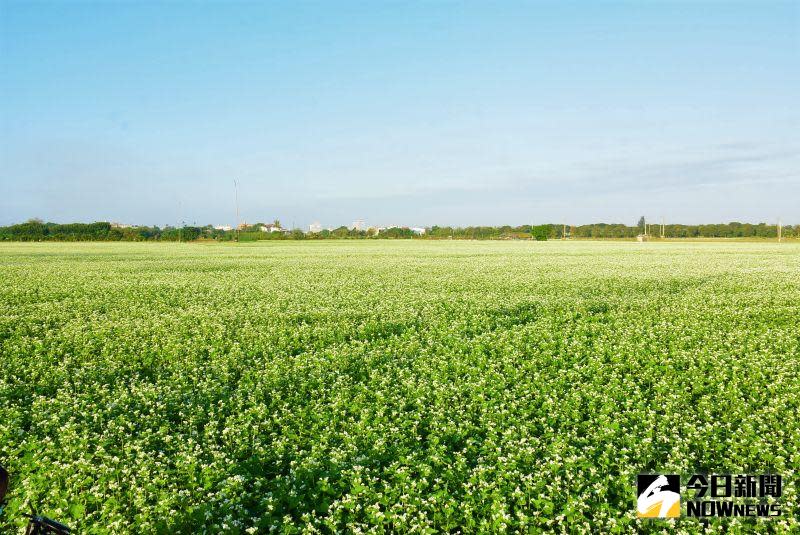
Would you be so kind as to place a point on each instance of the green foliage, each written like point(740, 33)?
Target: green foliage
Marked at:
point(391, 386)
point(180, 234)
point(396, 232)
point(541, 232)
point(36, 230)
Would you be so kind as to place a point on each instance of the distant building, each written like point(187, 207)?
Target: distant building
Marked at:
point(315, 227)
point(121, 225)
point(417, 230)
point(242, 226)
point(224, 228)
point(358, 224)
point(269, 227)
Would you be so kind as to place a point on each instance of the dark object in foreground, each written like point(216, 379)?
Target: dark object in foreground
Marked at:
point(37, 525)
point(3, 486)
point(41, 525)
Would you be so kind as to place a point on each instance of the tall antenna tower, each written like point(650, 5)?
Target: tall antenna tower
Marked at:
point(180, 229)
point(236, 197)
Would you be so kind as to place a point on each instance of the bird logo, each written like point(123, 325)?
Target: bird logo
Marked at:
point(659, 496)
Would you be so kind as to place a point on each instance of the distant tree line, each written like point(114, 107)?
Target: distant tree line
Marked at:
point(616, 231)
point(37, 230)
point(719, 230)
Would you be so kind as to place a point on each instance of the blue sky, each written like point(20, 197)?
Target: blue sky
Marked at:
point(400, 112)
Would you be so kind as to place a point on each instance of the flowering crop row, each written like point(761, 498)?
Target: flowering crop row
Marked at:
point(391, 386)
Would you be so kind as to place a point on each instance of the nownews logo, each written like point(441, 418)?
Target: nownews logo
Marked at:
point(716, 495)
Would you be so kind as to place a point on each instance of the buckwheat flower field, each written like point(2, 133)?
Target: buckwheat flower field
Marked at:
point(392, 386)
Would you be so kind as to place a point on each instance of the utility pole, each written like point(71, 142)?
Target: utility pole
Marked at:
point(564, 232)
point(236, 196)
point(180, 229)
point(779, 230)
point(662, 227)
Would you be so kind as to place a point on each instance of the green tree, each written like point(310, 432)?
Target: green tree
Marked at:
point(540, 232)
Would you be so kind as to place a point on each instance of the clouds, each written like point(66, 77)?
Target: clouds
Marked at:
point(742, 180)
point(734, 181)
point(728, 165)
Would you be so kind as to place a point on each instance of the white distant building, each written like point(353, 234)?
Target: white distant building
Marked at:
point(358, 224)
point(269, 227)
point(223, 227)
point(417, 230)
point(315, 227)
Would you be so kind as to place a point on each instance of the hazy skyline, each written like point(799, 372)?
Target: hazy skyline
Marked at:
point(400, 113)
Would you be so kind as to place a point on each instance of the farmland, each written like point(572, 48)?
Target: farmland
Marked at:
point(391, 386)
